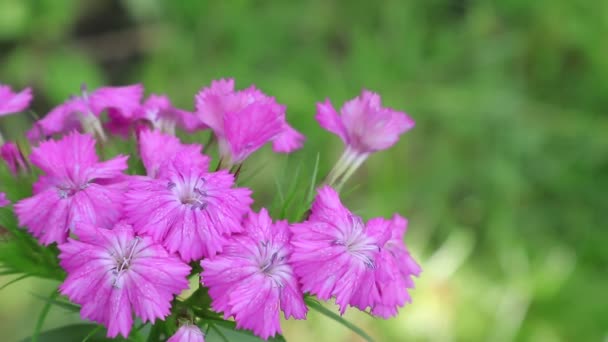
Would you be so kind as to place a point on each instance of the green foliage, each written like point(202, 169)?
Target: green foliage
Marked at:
point(75, 332)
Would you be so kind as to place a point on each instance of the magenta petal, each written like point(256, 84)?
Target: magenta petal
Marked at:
point(157, 149)
point(188, 333)
point(11, 102)
point(329, 119)
point(125, 99)
point(288, 140)
point(249, 129)
point(62, 118)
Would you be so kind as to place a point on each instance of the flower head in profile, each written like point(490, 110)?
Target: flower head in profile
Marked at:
point(75, 186)
point(112, 274)
point(252, 279)
point(157, 113)
point(188, 333)
point(82, 112)
point(189, 210)
point(332, 253)
point(157, 150)
point(11, 102)
point(245, 120)
point(14, 159)
point(386, 289)
point(365, 126)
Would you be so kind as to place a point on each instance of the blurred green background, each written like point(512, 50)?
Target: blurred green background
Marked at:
point(503, 179)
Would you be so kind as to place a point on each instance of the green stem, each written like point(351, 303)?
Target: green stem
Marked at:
point(92, 333)
point(43, 314)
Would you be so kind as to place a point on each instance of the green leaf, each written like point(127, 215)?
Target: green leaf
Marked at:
point(14, 281)
point(64, 304)
point(42, 317)
point(315, 305)
point(226, 331)
point(75, 332)
point(20, 253)
point(313, 182)
point(92, 333)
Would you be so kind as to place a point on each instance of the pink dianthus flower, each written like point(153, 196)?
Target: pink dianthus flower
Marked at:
point(82, 112)
point(157, 113)
point(332, 252)
point(252, 279)
point(75, 186)
point(112, 274)
point(364, 126)
point(245, 120)
point(189, 210)
point(361, 265)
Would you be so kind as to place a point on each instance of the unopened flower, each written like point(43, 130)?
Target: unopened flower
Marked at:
point(11, 102)
point(189, 210)
point(364, 126)
point(188, 333)
point(157, 113)
point(13, 157)
point(82, 112)
point(157, 150)
point(245, 120)
point(75, 186)
point(333, 254)
point(3, 200)
point(252, 278)
point(112, 274)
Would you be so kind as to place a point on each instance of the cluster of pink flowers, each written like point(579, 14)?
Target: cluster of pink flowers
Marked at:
point(129, 242)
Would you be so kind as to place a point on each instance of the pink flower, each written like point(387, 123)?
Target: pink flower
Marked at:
point(13, 157)
point(157, 149)
point(362, 265)
point(189, 210)
point(252, 279)
point(386, 289)
point(364, 126)
point(82, 113)
point(113, 274)
point(75, 186)
point(188, 333)
point(156, 112)
point(11, 102)
point(3, 200)
point(332, 253)
point(244, 120)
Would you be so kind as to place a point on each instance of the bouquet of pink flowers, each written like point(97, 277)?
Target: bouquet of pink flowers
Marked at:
point(153, 245)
